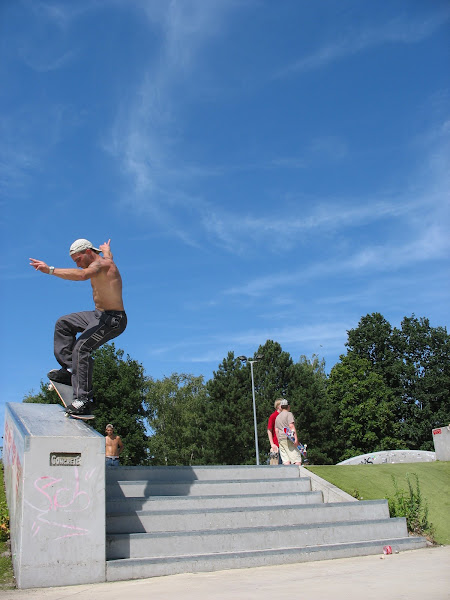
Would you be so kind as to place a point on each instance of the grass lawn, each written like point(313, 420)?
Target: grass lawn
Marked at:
point(6, 568)
point(372, 482)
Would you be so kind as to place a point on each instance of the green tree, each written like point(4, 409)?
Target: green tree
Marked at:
point(414, 364)
point(364, 409)
point(372, 339)
point(119, 391)
point(229, 432)
point(424, 389)
point(176, 411)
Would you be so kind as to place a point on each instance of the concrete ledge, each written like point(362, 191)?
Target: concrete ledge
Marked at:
point(330, 492)
point(55, 487)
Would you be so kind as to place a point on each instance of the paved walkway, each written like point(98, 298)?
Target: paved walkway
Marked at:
point(414, 575)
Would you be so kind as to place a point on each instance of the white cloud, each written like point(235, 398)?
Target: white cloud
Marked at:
point(48, 59)
point(148, 141)
point(327, 333)
point(238, 232)
point(420, 215)
point(187, 25)
point(147, 137)
point(27, 136)
point(48, 45)
point(431, 242)
point(16, 168)
point(399, 30)
point(294, 339)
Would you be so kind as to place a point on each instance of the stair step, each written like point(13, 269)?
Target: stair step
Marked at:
point(201, 473)
point(139, 545)
point(145, 488)
point(183, 503)
point(125, 569)
point(244, 517)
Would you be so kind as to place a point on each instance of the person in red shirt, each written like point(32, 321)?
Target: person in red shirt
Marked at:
point(271, 432)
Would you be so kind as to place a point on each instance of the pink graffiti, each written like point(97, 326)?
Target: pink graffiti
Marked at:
point(58, 501)
point(74, 530)
point(11, 459)
point(54, 502)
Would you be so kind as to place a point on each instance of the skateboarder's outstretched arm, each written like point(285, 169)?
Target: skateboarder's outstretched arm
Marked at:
point(71, 274)
point(86, 272)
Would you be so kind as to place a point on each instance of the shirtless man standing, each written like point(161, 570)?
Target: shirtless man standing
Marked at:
point(114, 447)
point(96, 327)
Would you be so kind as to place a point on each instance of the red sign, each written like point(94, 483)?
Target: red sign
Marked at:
point(437, 431)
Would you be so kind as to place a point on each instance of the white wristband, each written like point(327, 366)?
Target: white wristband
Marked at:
point(50, 270)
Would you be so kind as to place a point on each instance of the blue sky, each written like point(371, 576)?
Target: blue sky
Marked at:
point(265, 170)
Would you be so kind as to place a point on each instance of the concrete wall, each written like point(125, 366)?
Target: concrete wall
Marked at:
point(392, 457)
point(55, 488)
point(441, 439)
point(330, 492)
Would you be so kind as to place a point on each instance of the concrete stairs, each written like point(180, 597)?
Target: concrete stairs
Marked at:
point(167, 520)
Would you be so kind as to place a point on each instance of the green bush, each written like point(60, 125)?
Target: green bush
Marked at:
point(4, 521)
point(410, 504)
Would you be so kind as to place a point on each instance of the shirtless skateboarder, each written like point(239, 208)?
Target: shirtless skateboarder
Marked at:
point(96, 327)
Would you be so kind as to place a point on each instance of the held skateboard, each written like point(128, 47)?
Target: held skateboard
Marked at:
point(65, 394)
point(291, 436)
point(273, 458)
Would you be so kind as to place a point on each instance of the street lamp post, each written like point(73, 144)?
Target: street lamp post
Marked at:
point(252, 362)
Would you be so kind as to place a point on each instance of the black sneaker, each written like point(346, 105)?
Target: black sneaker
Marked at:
point(79, 407)
point(60, 376)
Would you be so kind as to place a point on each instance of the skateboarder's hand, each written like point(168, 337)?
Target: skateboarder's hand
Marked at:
point(106, 249)
point(39, 265)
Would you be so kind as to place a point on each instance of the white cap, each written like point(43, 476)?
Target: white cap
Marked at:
point(80, 245)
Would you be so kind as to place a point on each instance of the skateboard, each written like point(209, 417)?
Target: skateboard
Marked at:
point(65, 394)
point(291, 436)
point(273, 456)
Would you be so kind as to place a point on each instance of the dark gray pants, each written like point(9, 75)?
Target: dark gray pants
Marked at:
point(96, 328)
